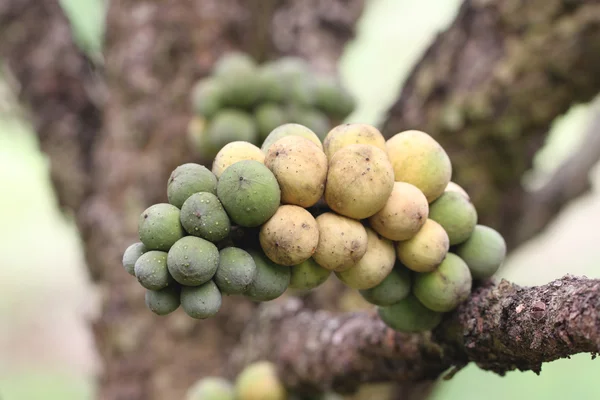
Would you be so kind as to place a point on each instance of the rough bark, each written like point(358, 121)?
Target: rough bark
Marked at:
point(501, 327)
point(489, 88)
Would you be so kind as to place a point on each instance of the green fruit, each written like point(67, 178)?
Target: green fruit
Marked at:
point(302, 92)
point(203, 215)
point(232, 63)
point(211, 388)
point(236, 271)
point(231, 125)
point(445, 288)
point(198, 138)
point(151, 270)
point(206, 97)
point(271, 280)
point(131, 255)
point(291, 68)
point(249, 192)
point(202, 301)
point(308, 275)
point(313, 119)
point(268, 117)
point(290, 130)
point(164, 301)
point(238, 77)
point(409, 315)
point(484, 251)
point(159, 227)
point(395, 287)
point(333, 98)
point(259, 381)
point(456, 214)
point(193, 261)
point(272, 83)
point(188, 179)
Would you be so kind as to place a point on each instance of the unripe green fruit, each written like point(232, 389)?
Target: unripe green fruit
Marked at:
point(290, 130)
point(291, 68)
point(425, 250)
point(395, 287)
point(271, 280)
point(456, 214)
point(409, 315)
point(211, 388)
point(484, 251)
point(445, 288)
point(313, 119)
point(268, 117)
point(193, 261)
point(249, 192)
point(233, 63)
point(302, 92)
point(151, 270)
point(333, 98)
point(274, 87)
point(233, 152)
point(308, 275)
point(188, 179)
point(242, 90)
point(203, 215)
point(164, 301)
point(159, 227)
point(201, 302)
point(131, 255)
point(236, 271)
point(198, 138)
point(455, 187)
point(206, 97)
point(231, 125)
point(259, 381)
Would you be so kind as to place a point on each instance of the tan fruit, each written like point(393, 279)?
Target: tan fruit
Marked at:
point(359, 181)
point(300, 167)
point(234, 152)
point(404, 213)
point(259, 381)
point(374, 266)
point(419, 159)
point(290, 236)
point(454, 187)
point(426, 250)
point(347, 134)
point(342, 242)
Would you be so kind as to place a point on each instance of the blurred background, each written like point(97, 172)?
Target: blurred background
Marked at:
point(47, 299)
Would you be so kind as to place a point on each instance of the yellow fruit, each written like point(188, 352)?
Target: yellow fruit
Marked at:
point(347, 134)
point(234, 152)
point(426, 250)
point(454, 187)
point(259, 381)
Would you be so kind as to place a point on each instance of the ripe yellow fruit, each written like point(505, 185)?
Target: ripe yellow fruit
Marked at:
point(426, 250)
point(259, 381)
point(234, 152)
point(347, 134)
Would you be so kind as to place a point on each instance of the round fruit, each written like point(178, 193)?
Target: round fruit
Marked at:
point(290, 236)
point(374, 266)
point(347, 134)
point(268, 117)
point(164, 301)
point(236, 271)
point(301, 92)
point(188, 179)
point(131, 255)
point(308, 275)
point(231, 125)
point(233, 63)
point(342, 242)
point(419, 159)
point(202, 301)
point(193, 261)
point(249, 192)
point(159, 227)
point(409, 315)
point(211, 388)
point(454, 187)
point(291, 68)
point(404, 213)
point(395, 287)
point(272, 83)
point(300, 167)
point(333, 98)
point(270, 281)
point(313, 119)
point(290, 130)
point(259, 381)
point(238, 76)
point(199, 140)
point(456, 214)
point(359, 181)
point(206, 97)
point(151, 270)
point(484, 251)
point(426, 250)
point(234, 152)
point(203, 215)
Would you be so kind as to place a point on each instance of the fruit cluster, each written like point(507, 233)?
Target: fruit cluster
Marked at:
point(244, 101)
point(382, 215)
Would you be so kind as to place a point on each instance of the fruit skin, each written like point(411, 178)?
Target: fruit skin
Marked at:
point(342, 242)
point(426, 250)
point(271, 280)
point(236, 271)
point(197, 135)
point(333, 98)
point(201, 302)
point(203, 215)
point(211, 388)
point(455, 187)
point(232, 63)
point(484, 251)
point(290, 236)
point(231, 125)
point(238, 76)
point(269, 116)
point(404, 213)
point(249, 192)
point(193, 261)
point(359, 181)
point(206, 97)
point(164, 301)
point(159, 227)
point(409, 315)
point(131, 255)
point(395, 287)
point(374, 266)
point(445, 288)
point(290, 129)
point(233, 152)
point(308, 275)
point(300, 167)
point(456, 214)
point(151, 270)
point(272, 83)
point(346, 134)
point(259, 381)
point(188, 179)
point(313, 119)
point(419, 159)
